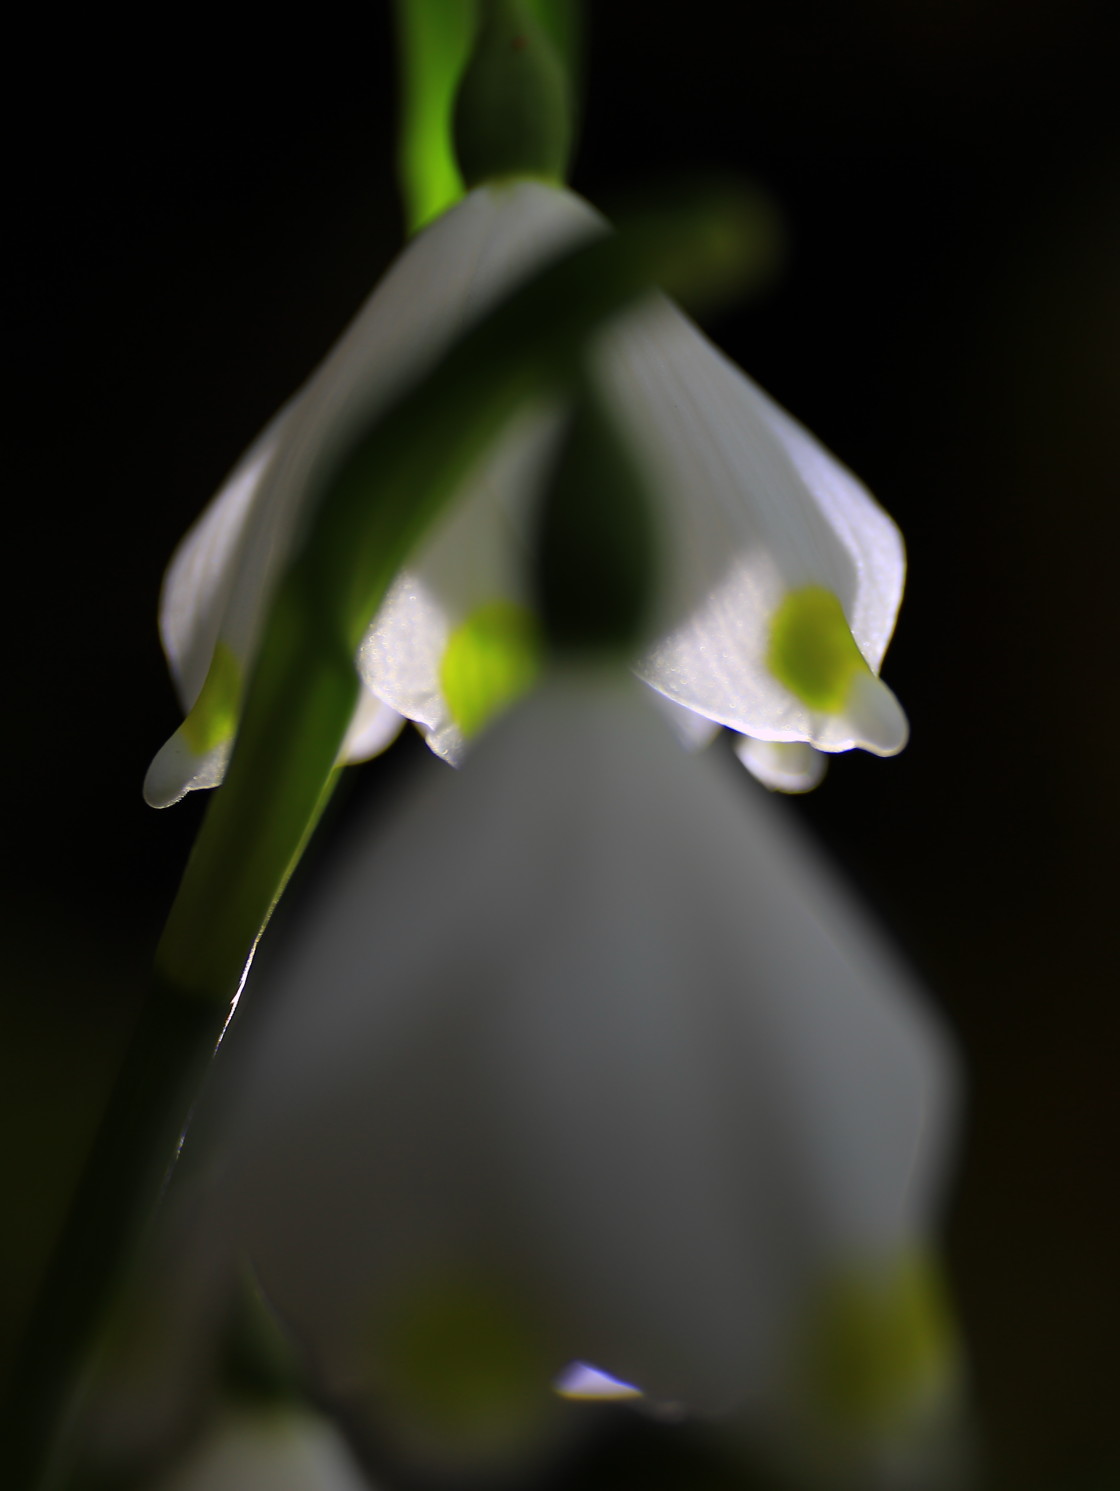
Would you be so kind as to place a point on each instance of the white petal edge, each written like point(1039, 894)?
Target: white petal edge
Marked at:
point(694, 731)
point(176, 770)
point(782, 766)
point(372, 730)
point(197, 587)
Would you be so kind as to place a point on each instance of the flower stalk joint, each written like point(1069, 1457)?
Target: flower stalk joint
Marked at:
point(513, 114)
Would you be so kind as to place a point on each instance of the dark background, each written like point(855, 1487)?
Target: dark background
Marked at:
point(198, 211)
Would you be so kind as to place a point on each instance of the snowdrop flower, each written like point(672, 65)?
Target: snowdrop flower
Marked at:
point(784, 576)
point(585, 1063)
point(158, 1374)
point(266, 1449)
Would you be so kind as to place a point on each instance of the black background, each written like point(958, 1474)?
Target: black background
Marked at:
point(199, 208)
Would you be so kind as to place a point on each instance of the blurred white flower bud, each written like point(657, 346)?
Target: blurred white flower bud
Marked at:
point(587, 1059)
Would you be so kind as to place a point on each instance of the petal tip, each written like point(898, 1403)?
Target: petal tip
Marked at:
point(877, 717)
point(782, 765)
point(176, 770)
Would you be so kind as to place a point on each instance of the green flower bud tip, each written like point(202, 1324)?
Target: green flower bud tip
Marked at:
point(513, 112)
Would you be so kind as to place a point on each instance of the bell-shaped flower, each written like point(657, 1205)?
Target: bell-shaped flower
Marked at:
point(784, 576)
point(584, 1065)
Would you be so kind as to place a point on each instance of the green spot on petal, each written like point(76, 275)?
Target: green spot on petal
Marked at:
point(880, 1345)
point(459, 1362)
point(213, 717)
point(812, 650)
point(491, 659)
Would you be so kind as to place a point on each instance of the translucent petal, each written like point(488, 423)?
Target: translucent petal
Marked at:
point(374, 727)
point(783, 766)
point(197, 753)
point(195, 602)
point(655, 1081)
point(176, 769)
point(477, 554)
point(694, 731)
point(197, 587)
point(751, 506)
point(221, 578)
point(754, 508)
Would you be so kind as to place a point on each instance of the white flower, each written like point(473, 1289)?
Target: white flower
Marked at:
point(158, 1370)
point(776, 556)
point(584, 1059)
point(266, 1449)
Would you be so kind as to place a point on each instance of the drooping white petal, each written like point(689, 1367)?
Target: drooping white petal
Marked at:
point(196, 604)
point(783, 766)
point(221, 578)
point(588, 1025)
point(694, 731)
point(751, 507)
point(754, 508)
point(446, 279)
point(177, 769)
point(374, 727)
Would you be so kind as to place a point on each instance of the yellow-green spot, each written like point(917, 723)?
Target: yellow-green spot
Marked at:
point(490, 660)
point(880, 1342)
point(812, 650)
point(460, 1363)
point(213, 717)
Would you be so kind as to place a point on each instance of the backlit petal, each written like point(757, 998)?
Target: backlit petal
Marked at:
point(589, 1024)
point(783, 766)
point(752, 508)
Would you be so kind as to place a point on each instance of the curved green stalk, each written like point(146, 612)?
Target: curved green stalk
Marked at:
point(435, 39)
point(433, 44)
